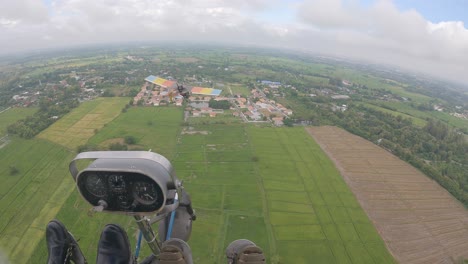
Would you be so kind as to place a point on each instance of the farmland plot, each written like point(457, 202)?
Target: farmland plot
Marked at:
point(313, 215)
point(273, 186)
point(75, 128)
point(419, 220)
point(32, 194)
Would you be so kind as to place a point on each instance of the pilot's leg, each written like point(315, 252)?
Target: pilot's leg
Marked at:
point(61, 245)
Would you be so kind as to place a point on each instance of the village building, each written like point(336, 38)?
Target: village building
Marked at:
point(278, 121)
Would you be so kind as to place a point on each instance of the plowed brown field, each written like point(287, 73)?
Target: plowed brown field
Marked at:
point(419, 220)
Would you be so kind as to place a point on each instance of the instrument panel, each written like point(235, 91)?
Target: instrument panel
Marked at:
point(122, 191)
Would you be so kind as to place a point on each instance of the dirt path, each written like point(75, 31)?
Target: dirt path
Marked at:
point(419, 221)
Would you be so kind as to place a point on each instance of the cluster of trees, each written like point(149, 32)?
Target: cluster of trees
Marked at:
point(127, 106)
point(108, 93)
point(224, 104)
point(128, 140)
point(49, 112)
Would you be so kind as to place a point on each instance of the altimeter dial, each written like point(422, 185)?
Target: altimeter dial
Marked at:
point(95, 185)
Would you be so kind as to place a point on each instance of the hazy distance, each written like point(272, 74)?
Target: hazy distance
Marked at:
point(413, 34)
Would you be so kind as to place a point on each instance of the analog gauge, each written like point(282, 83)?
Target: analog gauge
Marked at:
point(145, 192)
point(95, 185)
point(117, 183)
point(123, 201)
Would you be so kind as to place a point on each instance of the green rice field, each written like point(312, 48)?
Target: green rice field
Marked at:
point(273, 186)
point(75, 128)
point(417, 121)
point(309, 206)
point(443, 116)
point(33, 195)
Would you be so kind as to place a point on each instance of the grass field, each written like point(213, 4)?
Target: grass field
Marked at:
point(314, 80)
point(377, 83)
point(416, 121)
point(75, 128)
point(226, 117)
point(407, 109)
point(154, 128)
point(33, 195)
point(314, 216)
point(237, 89)
point(12, 115)
point(273, 186)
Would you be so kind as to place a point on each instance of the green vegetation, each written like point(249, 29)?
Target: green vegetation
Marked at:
point(224, 104)
point(237, 89)
point(13, 115)
point(218, 156)
point(35, 184)
point(77, 127)
point(154, 128)
point(407, 108)
point(415, 120)
point(442, 158)
point(273, 186)
point(221, 118)
point(309, 206)
point(130, 140)
point(159, 136)
point(48, 112)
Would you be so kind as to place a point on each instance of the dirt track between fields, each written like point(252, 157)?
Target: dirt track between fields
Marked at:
point(419, 221)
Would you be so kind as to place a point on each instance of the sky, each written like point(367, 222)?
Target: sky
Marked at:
point(420, 35)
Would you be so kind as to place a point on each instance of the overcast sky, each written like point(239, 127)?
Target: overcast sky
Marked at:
point(428, 36)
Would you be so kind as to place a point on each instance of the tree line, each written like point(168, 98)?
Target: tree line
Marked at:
point(49, 112)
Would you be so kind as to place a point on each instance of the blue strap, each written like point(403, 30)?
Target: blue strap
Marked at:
point(171, 221)
point(137, 250)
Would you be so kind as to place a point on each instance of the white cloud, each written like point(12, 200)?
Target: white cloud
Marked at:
point(8, 23)
point(379, 32)
point(27, 11)
point(331, 14)
point(384, 34)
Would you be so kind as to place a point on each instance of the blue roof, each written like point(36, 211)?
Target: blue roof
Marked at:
point(216, 92)
point(151, 78)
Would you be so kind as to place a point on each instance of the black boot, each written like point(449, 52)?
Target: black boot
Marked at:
point(77, 256)
point(61, 245)
point(114, 247)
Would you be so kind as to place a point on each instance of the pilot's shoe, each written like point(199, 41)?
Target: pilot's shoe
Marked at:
point(61, 245)
point(113, 246)
point(244, 251)
point(175, 251)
